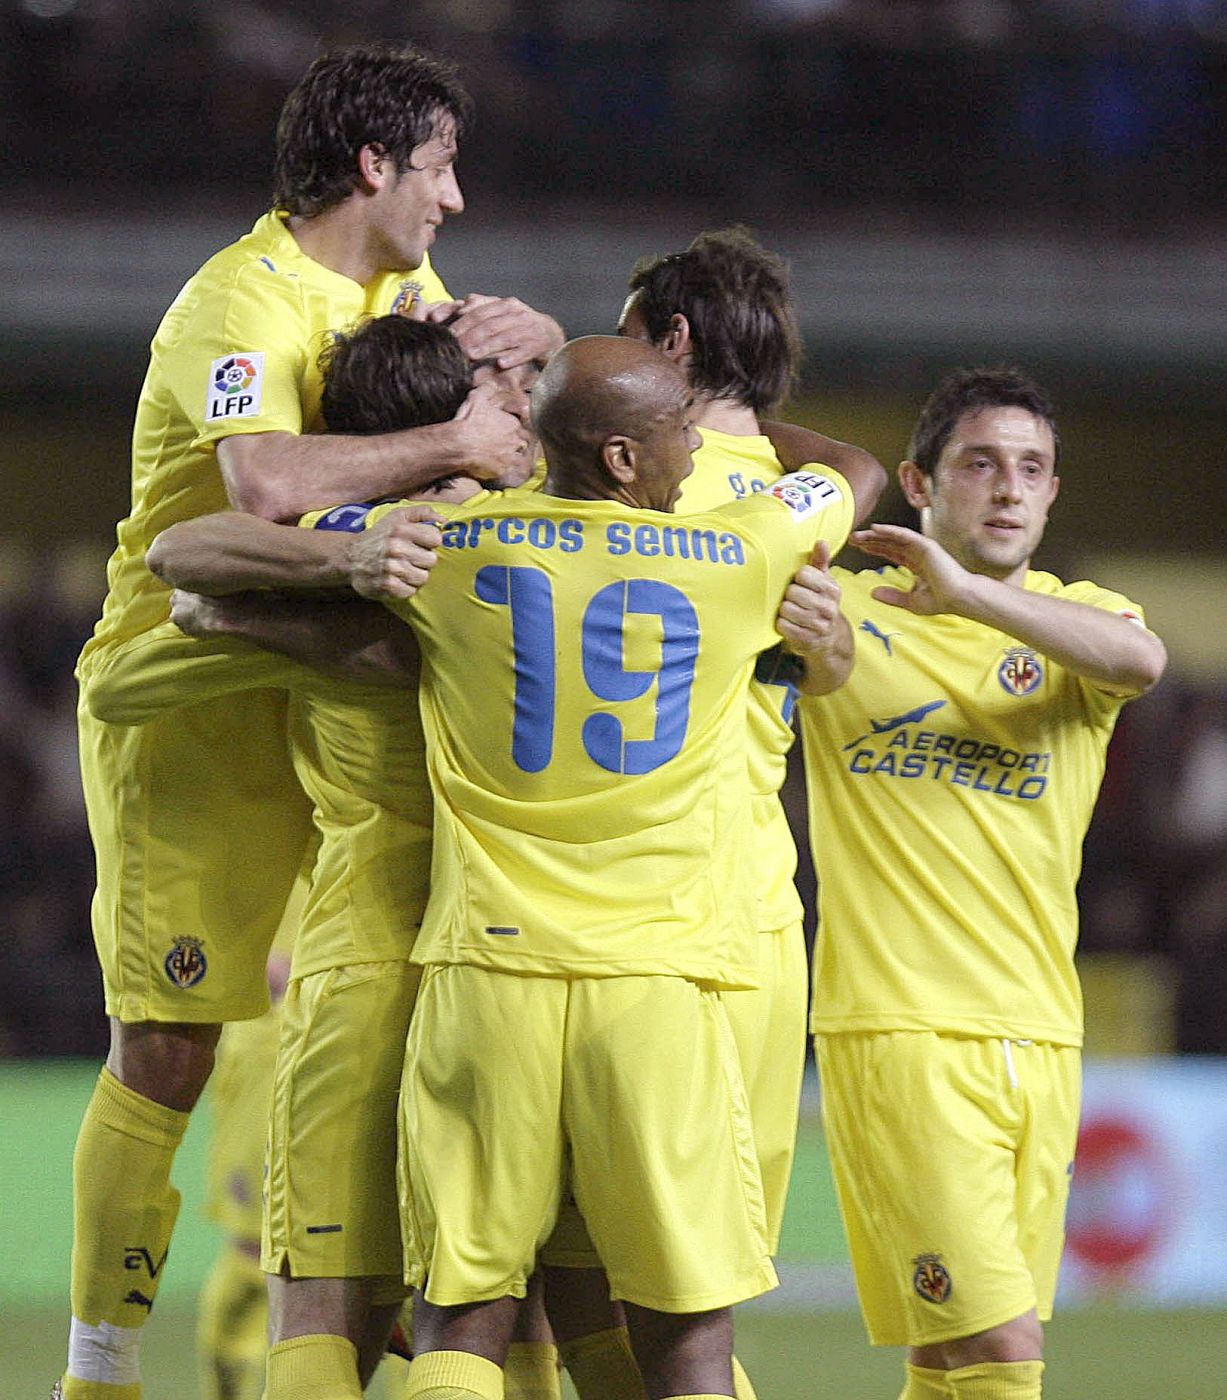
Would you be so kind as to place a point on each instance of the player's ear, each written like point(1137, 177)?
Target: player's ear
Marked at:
point(915, 484)
point(677, 343)
point(620, 456)
point(375, 166)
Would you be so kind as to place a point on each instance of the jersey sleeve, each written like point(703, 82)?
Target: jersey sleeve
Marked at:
point(240, 359)
point(790, 517)
point(1104, 702)
point(164, 669)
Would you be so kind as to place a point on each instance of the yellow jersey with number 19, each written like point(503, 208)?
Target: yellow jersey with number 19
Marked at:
point(237, 352)
point(951, 783)
point(583, 696)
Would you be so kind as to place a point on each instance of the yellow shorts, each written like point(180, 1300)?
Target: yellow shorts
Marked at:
point(241, 1089)
point(769, 1027)
point(638, 1078)
point(331, 1205)
point(199, 828)
point(952, 1161)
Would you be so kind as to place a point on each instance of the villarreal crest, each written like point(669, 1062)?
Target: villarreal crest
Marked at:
point(1020, 672)
point(186, 963)
point(931, 1278)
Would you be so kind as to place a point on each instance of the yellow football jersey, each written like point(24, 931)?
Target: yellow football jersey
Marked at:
point(951, 782)
point(583, 695)
point(237, 352)
point(728, 467)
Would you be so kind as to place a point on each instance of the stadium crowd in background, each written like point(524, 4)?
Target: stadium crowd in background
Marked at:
point(1106, 111)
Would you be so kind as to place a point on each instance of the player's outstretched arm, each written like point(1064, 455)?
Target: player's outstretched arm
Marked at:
point(813, 626)
point(503, 329)
point(231, 552)
point(1113, 652)
point(797, 447)
point(281, 476)
point(355, 639)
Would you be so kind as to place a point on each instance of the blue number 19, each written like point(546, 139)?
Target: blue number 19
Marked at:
point(529, 595)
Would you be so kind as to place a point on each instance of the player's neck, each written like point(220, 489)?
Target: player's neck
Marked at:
point(725, 416)
point(337, 240)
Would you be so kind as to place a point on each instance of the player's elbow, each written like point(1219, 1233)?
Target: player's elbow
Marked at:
point(867, 477)
point(1151, 664)
point(162, 555)
point(257, 476)
point(266, 498)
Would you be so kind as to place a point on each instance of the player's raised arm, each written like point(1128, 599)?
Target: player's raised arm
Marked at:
point(797, 447)
point(1113, 651)
point(230, 552)
point(280, 476)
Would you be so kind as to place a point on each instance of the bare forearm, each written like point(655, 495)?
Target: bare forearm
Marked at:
point(281, 476)
point(231, 552)
point(355, 640)
point(1109, 650)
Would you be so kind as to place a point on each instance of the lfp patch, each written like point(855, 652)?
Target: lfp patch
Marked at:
point(804, 492)
point(1020, 672)
point(931, 1279)
point(186, 963)
point(236, 383)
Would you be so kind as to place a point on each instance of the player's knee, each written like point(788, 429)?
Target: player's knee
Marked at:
point(1020, 1339)
point(167, 1062)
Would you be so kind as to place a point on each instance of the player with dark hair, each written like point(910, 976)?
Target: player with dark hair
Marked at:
point(952, 779)
point(357, 747)
point(198, 822)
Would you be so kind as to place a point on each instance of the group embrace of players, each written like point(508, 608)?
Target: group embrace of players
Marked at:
point(446, 688)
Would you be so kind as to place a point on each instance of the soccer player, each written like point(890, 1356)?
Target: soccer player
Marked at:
point(198, 822)
point(720, 309)
point(951, 781)
point(589, 798)
point(357, 747)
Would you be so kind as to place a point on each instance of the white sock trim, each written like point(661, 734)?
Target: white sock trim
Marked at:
point(104, 1353)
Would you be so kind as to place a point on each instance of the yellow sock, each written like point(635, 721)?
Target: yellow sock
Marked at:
point(924, 1383)
point(997, 1380)
point(602, 1366)
point(453, 1375)
point(232, 1327)
point(321, 1367)
point(742, 1388)
point(530, 1372)
point(124, 1210)
point(74, 1389)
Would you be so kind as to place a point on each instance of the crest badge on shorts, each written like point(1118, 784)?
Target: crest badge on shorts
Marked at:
point(931, 1278)
point(186, 963)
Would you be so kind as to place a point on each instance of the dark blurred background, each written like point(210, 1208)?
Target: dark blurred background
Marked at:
point(951, 181)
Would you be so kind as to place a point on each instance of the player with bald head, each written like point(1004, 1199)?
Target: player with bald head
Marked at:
point(586, 745)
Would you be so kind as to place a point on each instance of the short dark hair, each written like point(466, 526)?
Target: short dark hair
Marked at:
point(969, 391)
point(734, 294)
point(386, 95)
point(391, 373)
